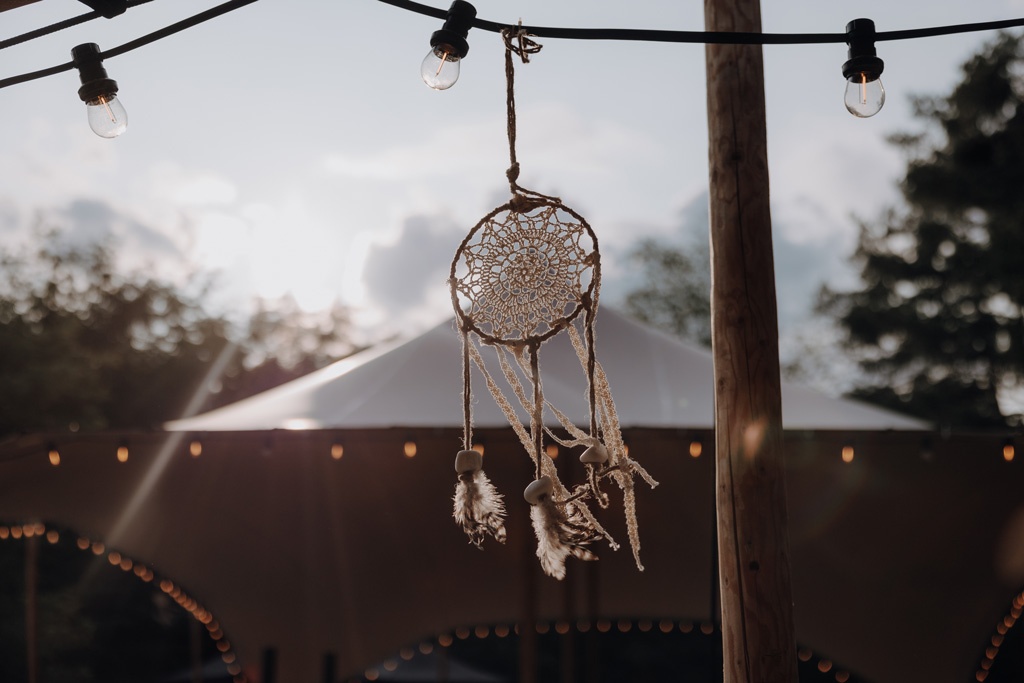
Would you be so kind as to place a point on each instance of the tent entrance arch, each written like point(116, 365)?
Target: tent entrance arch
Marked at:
point(76, 609)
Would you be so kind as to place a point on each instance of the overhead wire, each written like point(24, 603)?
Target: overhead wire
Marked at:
point(624, 34)
point(706, 37)
point(159, 34)
point(60, 26)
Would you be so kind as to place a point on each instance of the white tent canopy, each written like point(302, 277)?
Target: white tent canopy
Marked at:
point(904, 559)
point(657, 380)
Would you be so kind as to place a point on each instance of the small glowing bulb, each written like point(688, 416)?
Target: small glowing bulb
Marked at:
point(440, 68)
point(54, 456)
point(1008, 452)
point(847, 453)
point(337, 450)
point(409, 449)
point(478, 447)
point(122, 453)
point(196, 448)
point(864, 95)
point(107, 116)
point(551, 450)
point(696, 448)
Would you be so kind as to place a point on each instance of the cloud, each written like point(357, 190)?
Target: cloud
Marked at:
point(801, 265)
point(561, 150)
point(411, 272)
point(188, 187)
point(90, 221)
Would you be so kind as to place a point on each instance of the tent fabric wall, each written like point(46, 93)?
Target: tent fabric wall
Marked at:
point(896, 557)
point(899, 566)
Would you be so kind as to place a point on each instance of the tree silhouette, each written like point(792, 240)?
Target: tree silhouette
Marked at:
point(86, 347)
point(938, 325)
point(675, 294)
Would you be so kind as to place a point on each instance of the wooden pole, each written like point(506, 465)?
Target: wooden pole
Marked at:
point(753, 550)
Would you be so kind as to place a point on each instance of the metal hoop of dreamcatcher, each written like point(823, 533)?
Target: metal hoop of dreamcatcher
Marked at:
point(529, 270)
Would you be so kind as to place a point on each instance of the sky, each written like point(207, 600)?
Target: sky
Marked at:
point(292, 147)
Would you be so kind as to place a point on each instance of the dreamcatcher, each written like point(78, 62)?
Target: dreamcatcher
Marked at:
point(529, 270)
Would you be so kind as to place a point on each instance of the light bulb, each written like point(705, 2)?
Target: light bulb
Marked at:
point(863, 70)
point(864, 95)
point(107, 116)
point(440, 68)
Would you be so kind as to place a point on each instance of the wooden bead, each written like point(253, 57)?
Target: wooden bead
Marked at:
point(468, 461)
point(538, 489)
point(595, 455)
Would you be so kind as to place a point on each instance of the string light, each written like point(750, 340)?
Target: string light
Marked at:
point(448, 47)
point(1008, 450)
point(696, 448)
point(53, 454)
point(563, 627)
point(122, 452)
point(409, 448)
point(1002, 627)
point(337, 450)
point(143, 573)
point(848, 453)
point(195, 448)
point(463, 17)
point(107, 116)
point(862, 71)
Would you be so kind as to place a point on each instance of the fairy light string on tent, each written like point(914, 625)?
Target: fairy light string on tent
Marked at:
point(143, 572)
point(526, 272)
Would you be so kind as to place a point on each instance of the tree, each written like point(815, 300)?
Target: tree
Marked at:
point(676, 291)
point(83, 346)
point(938, 324)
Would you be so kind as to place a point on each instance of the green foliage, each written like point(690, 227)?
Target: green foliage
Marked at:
point(938, 325)
point(84, 346)
point(676, 292)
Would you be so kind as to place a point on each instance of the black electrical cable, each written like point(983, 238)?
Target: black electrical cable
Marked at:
point(47, 30)
point(177, 27)
point(137, 43)
point(59, 26)
point(646, 35)
point(717, 37)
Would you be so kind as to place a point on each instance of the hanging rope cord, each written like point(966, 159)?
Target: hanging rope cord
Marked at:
point(526, 350)
point(518, 41)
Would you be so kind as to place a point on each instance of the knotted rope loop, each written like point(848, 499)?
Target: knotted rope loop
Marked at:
point(517, 40)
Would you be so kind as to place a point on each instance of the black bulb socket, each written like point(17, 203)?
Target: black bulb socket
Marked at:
point(95, 82)
point(107, 8)
point(455, 29)
point(862, 58)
